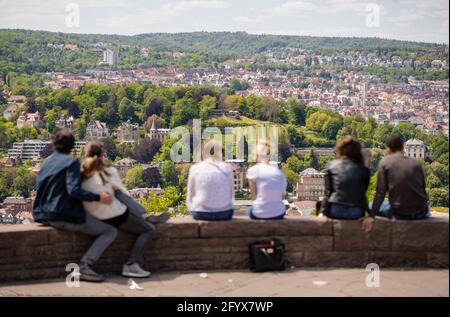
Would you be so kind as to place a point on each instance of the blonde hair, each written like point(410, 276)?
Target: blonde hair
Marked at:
point(213, 145)
point(263, 151)
point(94, 161)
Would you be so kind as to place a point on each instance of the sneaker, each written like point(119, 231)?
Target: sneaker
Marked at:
point(134, 270)
point(89, 275)
point(161, 218)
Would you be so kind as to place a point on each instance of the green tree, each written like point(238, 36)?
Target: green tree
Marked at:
point(207, 106)
point(405, 129)
point(127, 110)
point(295, 164)
point(134, 177)
point(438, 197)
point(291, 177)
point(297, 112)
point(80, 126)
point(24, 181)
point(169, 174)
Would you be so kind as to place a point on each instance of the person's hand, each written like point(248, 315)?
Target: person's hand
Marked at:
point(322, 219)
point(367, 224)
point(106, 198)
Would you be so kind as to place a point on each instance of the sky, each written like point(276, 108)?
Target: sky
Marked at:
point(415, 20)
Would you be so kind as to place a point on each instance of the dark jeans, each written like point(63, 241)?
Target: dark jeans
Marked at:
point(252, 215)
point(145, 232)
point(387, 212)
point(213, 215)
point(343, 212)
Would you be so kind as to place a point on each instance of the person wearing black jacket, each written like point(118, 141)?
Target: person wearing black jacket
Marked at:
point(59, 199)
point(346, 183)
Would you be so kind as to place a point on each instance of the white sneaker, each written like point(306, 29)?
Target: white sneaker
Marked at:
point(134, 270)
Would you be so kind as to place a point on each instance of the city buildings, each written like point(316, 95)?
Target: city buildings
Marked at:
point(12, 110)
point(79, 146)
point(28, 150)
point(158, 134)
point(140, 193)
point(127, 132)
point(64, 123)
point(416, 149)
point(311, 185)
point(96, 129)
point(110, 57)
point(239, 168)
point(124, 165)
point(14, 205)
point(31, 119)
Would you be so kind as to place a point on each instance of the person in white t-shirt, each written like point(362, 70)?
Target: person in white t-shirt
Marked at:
point(267, 186)
point(210, 186)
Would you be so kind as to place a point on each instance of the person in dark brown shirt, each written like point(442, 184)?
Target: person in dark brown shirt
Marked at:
point(403, 179)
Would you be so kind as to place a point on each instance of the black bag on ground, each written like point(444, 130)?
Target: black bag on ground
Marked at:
point(267, 256)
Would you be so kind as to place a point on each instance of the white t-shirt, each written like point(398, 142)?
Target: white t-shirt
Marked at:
point(210, 187)
point(270, 187)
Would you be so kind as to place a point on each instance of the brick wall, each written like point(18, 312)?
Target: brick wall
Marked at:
point(36, 252)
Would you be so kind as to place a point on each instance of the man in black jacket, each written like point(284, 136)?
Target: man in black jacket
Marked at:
point(58, 202)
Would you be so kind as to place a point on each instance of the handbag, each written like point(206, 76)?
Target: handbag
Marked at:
point(267, 256)
point(133, 206)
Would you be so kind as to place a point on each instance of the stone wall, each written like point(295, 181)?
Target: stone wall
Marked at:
point(36, 252)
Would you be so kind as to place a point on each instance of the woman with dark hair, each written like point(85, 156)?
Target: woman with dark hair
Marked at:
point(346, 183)
point(98, 176)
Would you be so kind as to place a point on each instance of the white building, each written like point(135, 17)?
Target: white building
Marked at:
point(239, 168)
point(63, 123)
point(159, 134)
point(416, 149)
point(110, 57)
point(32, 119)
point(311, 185)
point(79, 146)
point(96, 129)
point(128, 132)
point(28, 150)
point(11, 111)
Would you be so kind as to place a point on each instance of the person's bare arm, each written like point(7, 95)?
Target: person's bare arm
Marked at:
point(253, 191)
point(190, 190)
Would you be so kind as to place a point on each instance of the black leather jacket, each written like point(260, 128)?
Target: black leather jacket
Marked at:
point(346, 183)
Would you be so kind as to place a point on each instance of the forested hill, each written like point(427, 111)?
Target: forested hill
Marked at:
point(224, 42)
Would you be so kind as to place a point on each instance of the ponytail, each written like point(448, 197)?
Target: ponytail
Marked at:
point(94, 161)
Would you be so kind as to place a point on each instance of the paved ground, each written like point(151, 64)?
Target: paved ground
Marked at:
point(294, 282)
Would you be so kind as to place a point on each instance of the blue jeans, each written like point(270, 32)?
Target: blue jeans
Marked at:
point(252, 216)
point(386, 211)
point(213, 215)
point(344, 212)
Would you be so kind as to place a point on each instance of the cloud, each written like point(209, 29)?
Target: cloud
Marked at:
point(197, 4)
point(291, 8)
point(406, 16)
point(287, 9)
point(145, 19)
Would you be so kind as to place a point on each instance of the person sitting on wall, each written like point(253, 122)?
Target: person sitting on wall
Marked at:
point(210, 185)
point(346, 182)
point(58, 203)
point(267, 186)
point(403, 179)
point(98, 176)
